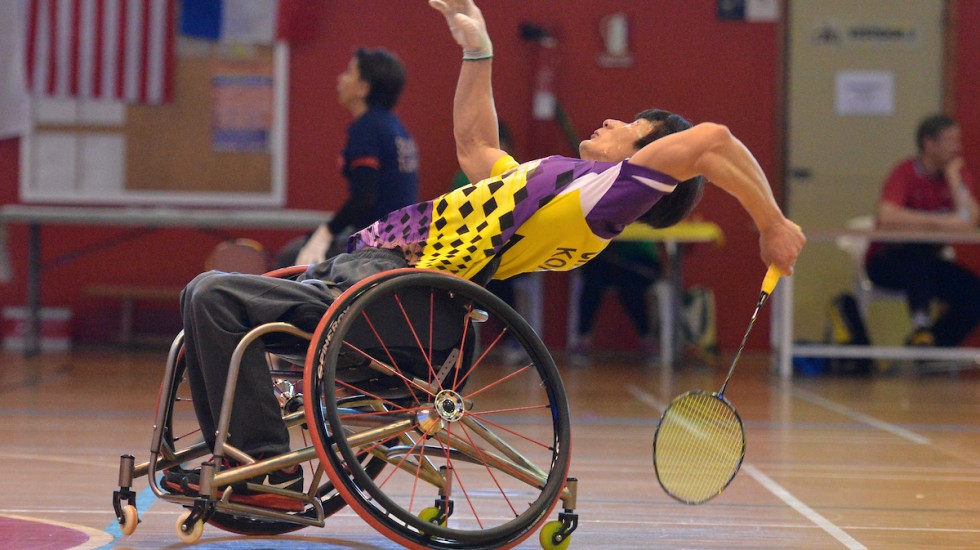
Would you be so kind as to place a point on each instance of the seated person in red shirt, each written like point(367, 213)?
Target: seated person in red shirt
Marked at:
point(932, 191)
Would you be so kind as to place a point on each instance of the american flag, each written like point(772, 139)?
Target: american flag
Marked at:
point(101, 49)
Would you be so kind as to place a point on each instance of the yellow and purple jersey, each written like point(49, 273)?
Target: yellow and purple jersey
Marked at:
point(551, 214)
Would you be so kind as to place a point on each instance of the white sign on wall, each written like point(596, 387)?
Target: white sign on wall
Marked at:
point(864, 93)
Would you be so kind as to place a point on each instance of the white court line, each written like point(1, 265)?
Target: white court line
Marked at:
point(770, 485)
point(803, 509)
point(764, 525)
point(646, 398)
point(860, 417)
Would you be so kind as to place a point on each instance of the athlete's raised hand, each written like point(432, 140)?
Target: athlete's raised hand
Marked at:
point(468, 27)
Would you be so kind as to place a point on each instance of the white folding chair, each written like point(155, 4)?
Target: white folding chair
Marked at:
point(855, 246)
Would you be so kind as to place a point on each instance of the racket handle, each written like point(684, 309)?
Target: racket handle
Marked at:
point(772, 277)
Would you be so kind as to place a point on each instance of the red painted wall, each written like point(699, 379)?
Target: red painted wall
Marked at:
point(681, 53)
point(966, 90)
point(685, 60)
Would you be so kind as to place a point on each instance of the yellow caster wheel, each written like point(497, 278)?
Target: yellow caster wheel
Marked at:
point(129, 521)
point(549, 532)
point(431, 515)
point(191, 536)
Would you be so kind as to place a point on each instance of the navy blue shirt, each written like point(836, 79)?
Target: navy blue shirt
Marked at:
point(381, 164)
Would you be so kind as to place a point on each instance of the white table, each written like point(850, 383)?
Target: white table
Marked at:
point(782, 324)
point(35, 217)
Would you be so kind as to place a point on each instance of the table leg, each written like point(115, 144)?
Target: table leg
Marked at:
point(32, 332)
point(529, 298)
point(670, 350)
point(574, 295)
point(782, 328)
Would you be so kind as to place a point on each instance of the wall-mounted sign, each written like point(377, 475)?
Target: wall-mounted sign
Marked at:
point(864, 34)
point(864, 93)
point(242, 107)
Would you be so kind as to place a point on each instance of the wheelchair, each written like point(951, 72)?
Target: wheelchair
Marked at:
point(402, 410)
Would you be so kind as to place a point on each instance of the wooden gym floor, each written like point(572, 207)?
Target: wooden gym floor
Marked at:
point(891, 461)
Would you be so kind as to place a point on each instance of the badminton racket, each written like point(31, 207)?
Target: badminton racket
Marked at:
point(700, 441)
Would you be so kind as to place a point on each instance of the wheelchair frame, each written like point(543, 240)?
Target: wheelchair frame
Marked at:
point(405, 425)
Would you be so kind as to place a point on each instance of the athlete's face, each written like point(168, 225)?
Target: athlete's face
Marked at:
point(350, 88)
point(615, 140)
point(947, 146)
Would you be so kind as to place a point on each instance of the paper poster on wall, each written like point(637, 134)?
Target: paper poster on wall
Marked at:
point(242, 102)
point(864, 93)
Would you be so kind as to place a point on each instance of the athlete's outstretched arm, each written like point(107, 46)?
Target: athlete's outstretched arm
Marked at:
point(474, 113)
point(710, 150)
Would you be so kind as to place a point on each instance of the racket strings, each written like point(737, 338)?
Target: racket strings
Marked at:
point(699, 447)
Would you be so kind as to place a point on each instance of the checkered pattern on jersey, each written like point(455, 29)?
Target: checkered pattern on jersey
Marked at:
point(467, 227)
point(484, 220)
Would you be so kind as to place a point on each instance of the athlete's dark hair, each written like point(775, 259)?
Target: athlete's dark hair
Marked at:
point(931, 127)
point(673, 207)
point(385, 74)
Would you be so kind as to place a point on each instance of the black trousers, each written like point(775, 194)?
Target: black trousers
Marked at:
point(631, 283)
point(919, 271)
point(219, 308)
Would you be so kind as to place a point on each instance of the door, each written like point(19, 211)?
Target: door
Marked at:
point(860, 77)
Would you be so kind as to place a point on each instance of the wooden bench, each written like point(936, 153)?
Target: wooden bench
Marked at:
point(234, 255)
point(128, 295)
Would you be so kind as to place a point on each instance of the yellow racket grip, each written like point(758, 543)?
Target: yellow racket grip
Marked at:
point(772, 277)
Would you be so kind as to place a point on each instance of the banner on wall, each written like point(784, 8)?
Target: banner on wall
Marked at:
point(14, 100)
point(248, 21)
point(232, 21)
point(101, 49)
point(753, 11)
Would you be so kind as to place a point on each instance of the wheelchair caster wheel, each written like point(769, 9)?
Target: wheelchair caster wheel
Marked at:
point(552, 536)
point(130, 519)
point(433, 515)
point(189, 535)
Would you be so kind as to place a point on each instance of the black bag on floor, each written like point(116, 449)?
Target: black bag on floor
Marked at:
point(847, 329)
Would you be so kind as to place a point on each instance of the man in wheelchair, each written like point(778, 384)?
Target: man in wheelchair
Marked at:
point(553, 213)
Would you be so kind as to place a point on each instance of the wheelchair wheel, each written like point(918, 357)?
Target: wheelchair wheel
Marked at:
point(177, 429)
point(478, 450)
point(179, 394)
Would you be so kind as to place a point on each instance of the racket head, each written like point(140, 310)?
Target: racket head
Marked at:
point(698, 447)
